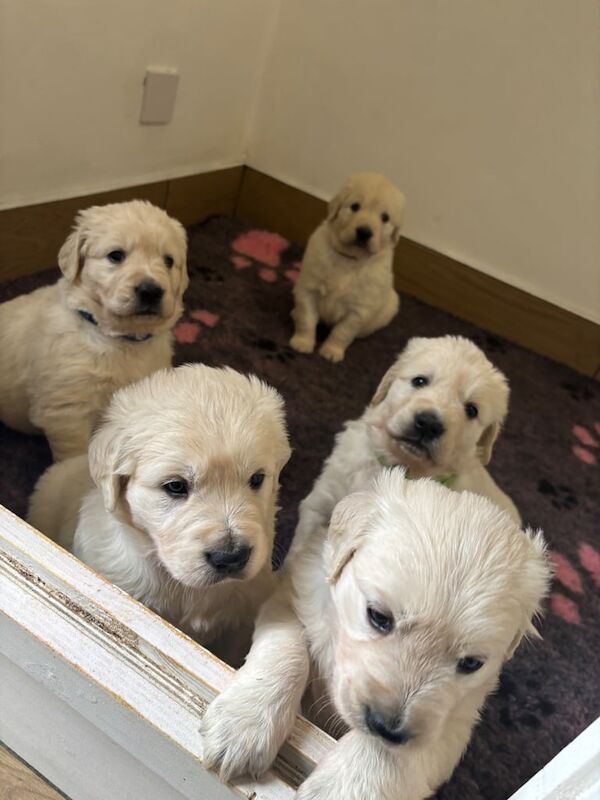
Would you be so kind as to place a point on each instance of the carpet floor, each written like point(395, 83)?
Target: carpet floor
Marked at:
point(547, 459)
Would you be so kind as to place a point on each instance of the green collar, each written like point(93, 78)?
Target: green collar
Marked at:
point(445, 480)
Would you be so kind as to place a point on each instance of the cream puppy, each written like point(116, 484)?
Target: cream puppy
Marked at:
point(65, 348)
point(437, 411)
point(406, 612)
point(179, 502)
point(346, 278)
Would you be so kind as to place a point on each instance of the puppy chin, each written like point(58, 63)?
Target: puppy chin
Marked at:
point(126, 320)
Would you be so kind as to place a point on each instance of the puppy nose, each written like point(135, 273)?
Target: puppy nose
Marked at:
point(428, 426)
point(149, 293)
point(392, 729)
point(229, 561)
point(363, 233)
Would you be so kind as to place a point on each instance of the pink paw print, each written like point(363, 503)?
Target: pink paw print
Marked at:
point(587, 442)
point(187, 332)
point(566, 574)
point(264, 248)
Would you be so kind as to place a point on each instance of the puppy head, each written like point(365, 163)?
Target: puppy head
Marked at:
point(125, 263)
point(439, 408)
point(365, 216)
point(191, 458)
point(433, 590)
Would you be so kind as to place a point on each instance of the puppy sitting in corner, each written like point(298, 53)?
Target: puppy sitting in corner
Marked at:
point(346, 278)
point(65, 348)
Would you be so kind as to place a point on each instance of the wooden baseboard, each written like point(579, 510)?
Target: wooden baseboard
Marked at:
point(30, 236)
point(439, 280)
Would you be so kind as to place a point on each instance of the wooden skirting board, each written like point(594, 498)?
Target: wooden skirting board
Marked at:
point(31, 236)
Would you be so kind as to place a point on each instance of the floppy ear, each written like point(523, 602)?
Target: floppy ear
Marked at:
point(385, 384)
point(485, 445)
point(70, 256)
point(106, 460)
point(535, 580)
point(347, 527)
point(336, 202)
point(398, 218)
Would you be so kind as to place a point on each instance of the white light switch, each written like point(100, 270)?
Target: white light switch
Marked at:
point(160, 89)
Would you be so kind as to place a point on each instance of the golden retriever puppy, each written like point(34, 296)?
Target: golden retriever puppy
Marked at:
point(65, 348)
point(346, 278)
point(406, 612)
point(178, 505)
point(437, 411)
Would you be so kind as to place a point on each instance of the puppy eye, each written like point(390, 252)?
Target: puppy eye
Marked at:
point(176, 488)
point(471, 410)
point(169, 261)
point(379, 620)
point(385, 217)
point(419, 381)
point(116, 256)
point(256, 480)
point(355, 207)
point(468, 665)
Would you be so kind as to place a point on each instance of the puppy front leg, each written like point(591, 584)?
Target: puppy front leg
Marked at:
point(361, 767)
point(244, 727)
point(342, 335)
point(68, 436)
point(306, 317)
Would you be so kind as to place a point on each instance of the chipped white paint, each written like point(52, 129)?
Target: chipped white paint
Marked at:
point(99, 693)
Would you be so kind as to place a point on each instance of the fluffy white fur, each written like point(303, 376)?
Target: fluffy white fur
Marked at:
point(457, 374)
point(345, 281)
point(455, 578)
point(209, 430)
point(57, 370)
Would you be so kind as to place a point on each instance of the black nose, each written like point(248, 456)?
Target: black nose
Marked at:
point(363, 233)
point(391, 729)
point(149, 293)
point(229, 561)
point(428, 426)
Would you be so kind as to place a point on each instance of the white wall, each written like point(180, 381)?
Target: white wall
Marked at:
point(71, 76)
point(487, 114)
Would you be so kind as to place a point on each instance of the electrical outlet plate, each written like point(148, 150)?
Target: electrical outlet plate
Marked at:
point(158, 100)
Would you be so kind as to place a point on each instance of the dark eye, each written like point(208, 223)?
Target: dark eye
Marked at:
point(385, 217)
point(419, 381)
point(471, 410)
point(116, 256)
point(355, 207)
point(176, 488)
point(169, 261)
point(379, 620)
point(469, 664)
point(256, 480)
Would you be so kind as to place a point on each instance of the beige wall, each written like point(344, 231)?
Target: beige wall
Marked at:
point(487, 114)
point(71, 76)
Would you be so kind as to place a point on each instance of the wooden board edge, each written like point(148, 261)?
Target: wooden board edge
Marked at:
point(31, 236)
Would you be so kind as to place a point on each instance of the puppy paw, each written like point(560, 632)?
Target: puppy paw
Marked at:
point(302, 343)
point(332, 351)
point(237, 737)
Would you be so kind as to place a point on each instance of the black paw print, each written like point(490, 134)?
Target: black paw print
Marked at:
point(561, 497)
point(209, 274)
point(522, 706)
point(273, 352)
point(494, 344)
point(578, 391)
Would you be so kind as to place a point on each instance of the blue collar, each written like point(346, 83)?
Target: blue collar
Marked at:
point(445, 480)
point(126, 337)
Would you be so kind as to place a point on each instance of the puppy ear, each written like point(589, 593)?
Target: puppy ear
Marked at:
point(485, 445)
point(348, 525)
point(106, 461)
point(70, 256)
point(535, 581)
point(335, 204)
point(398, 218)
